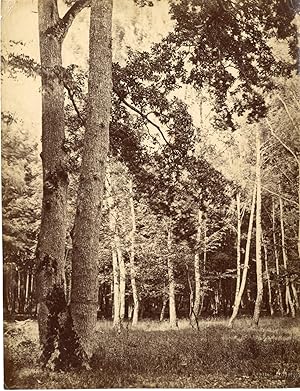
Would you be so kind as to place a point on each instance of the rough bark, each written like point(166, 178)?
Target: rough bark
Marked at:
point(289, 301)
point(279, 294)
point(92, 177)
point(51, 242)
point(52, 235)
point(259, 279)
point(132, 259)
point(172, 303)
point(237, 302)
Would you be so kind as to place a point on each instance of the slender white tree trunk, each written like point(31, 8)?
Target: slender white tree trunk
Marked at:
point(279, 296)
point(289, 301)
point(116, 290)
point(204, 245)
point(132, 259)
point(238, 244)
point(259, 279)
point(196, 307)
point(122, 271)
point(295, 295)
point(246, 262)
point(163, 309)
point(172, 303)
point(27, 290)
point(114, 251)
point(268, 280)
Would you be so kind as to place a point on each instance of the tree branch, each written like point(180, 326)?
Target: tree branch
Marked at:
point(287, 111)
point(68, 18)
point(282, 143)
point(144, 116)
point(71, 96)
point(277, 194)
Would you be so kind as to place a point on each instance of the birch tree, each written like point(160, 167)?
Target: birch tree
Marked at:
point(135, 295)
point(238, 298)
point(172, 300)
point(259, 278)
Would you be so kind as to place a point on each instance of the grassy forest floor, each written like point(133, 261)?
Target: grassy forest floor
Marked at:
point(153, 356)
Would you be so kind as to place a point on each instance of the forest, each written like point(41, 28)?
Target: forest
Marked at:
point(151, 193)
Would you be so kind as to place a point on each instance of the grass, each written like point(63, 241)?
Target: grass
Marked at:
point(153, 356)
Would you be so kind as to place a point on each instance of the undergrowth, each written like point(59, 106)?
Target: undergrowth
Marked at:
point(153, 356)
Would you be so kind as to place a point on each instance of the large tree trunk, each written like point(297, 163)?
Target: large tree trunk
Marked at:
point(237, 302)
point(259, 279)
point(196, 307)
point(92, 177)
point(51, 242)
point(298, 161)
point(172, 303)
point(132, 260)
point(279, 294)
point(289, 301)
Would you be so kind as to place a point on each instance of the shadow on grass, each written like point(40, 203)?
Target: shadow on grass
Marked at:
point(213, 357)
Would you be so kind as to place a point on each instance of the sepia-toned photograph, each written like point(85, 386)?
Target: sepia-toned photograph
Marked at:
point(150, 164)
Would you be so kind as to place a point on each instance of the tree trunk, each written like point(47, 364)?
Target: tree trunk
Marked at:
point(92, 177)
point(172, 303)
point(191, 295)
point(18, 291)
point(280, 302)
point(238, 245)
point(268, 280)
point(22, 291)
point(163, 309)
point(33, 303)
point(117, 259)
point(196, 307)
point(51, 242)
point(289, 301)
point(237, 302)
point(204, 245)
point(259, 279)
point(122, 271)
point(135, 296)
point(116, 291)
point(27, 287)
point(295, 295)
point(298, 161)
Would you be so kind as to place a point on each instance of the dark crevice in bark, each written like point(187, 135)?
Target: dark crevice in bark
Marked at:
point(61, 350)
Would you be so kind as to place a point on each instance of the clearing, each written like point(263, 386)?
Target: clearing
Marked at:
point(153, 356)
